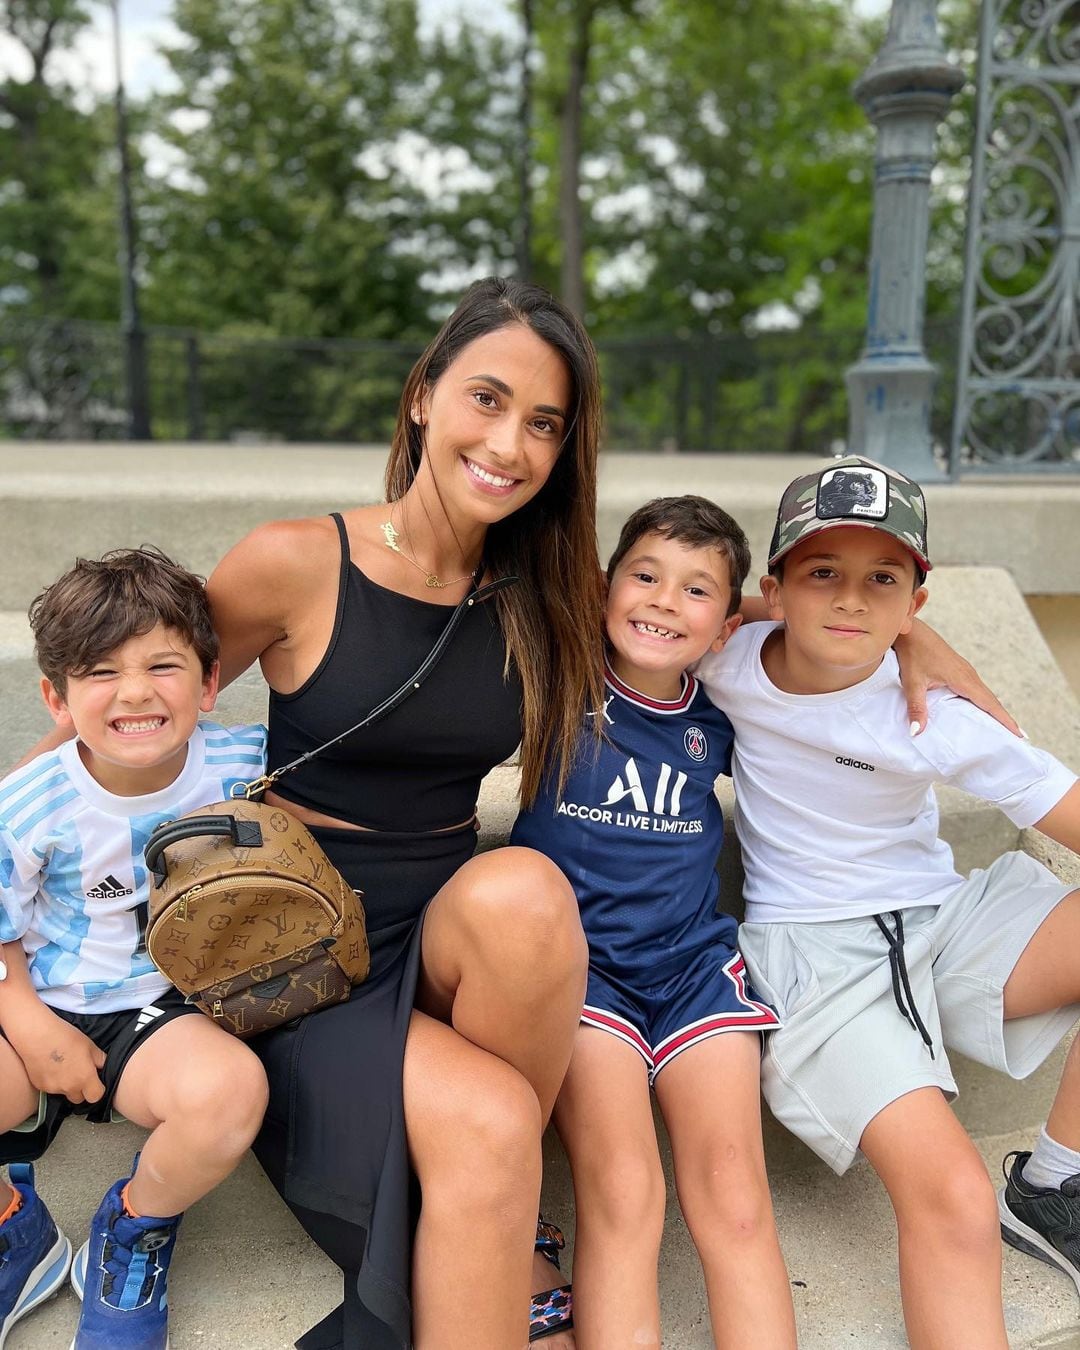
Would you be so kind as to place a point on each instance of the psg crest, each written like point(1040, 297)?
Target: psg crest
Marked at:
point(696, 745)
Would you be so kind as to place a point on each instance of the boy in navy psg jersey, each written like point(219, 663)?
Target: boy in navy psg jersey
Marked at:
point(129, 660)
point(637, 830)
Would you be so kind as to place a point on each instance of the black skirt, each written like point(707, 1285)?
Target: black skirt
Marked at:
point(333, 1142)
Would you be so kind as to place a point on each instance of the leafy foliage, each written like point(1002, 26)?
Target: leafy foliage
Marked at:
point(699, 173)
point(57, 199)
point(273, 218)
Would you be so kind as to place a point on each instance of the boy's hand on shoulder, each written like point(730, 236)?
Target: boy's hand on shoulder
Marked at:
point(57, 1057)
point(928, 662)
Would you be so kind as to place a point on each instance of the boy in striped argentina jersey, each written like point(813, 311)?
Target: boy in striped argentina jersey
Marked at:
point(129, 660)
point(637, 830)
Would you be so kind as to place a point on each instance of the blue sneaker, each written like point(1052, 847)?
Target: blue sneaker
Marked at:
point(34, 1254)
point(120, 1275)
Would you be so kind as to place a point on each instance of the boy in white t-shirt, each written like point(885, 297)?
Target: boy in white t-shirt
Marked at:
point(129, 659)
point(874, 951)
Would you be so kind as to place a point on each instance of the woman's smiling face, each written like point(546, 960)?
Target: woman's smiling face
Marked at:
point(494, 424)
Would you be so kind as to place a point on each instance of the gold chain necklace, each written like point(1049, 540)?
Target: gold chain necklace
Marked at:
point(390, 539)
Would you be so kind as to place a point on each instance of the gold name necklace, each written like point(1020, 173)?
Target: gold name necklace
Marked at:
point(431, 580)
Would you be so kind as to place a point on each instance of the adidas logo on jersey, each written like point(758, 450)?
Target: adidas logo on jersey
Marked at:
point(109, 889)
point(854, 764)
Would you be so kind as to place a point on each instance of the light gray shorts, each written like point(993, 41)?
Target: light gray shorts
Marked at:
point(846, 1051)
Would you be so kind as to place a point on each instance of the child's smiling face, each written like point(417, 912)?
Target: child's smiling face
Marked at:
point(135, 709)
point(667, 606)
point(845, 596)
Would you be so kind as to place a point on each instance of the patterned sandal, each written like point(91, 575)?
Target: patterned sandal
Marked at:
point(553, 1310)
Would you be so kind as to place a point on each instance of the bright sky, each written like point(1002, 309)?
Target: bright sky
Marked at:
point(146, 23)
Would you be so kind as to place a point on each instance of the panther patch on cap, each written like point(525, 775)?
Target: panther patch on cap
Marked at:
point(853, 492)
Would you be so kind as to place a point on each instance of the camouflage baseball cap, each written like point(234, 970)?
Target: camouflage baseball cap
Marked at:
point(852, 491)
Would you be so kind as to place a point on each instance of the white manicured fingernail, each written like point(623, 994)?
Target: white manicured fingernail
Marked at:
point(913, 730)
point(1024, 735)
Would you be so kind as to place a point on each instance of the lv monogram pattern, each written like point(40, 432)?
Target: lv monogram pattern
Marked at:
point(256, 936)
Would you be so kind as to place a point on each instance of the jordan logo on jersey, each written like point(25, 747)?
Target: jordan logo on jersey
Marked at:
point(109, 889)
point(603, 712)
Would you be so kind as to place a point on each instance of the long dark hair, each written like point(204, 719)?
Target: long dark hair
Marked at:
point(552, 622)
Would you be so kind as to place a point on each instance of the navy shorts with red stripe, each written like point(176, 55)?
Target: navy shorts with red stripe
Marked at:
point(709, 995)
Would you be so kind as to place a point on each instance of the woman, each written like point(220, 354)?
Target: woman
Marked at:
point(477, 963)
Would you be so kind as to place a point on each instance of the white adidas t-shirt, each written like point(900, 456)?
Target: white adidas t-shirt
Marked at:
point(834, 805)
point(73, 882)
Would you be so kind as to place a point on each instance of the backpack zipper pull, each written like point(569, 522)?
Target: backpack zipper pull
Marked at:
point(182, 903)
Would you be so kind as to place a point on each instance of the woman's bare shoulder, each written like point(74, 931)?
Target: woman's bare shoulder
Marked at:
point(282, 540)
point(278, 579)
point(280, 553)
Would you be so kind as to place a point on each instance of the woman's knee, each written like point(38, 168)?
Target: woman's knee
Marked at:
point(491, 1133)
point(501, 1123)
point(520, 896)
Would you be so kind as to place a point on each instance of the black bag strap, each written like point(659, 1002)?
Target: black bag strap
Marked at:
point(394, 701)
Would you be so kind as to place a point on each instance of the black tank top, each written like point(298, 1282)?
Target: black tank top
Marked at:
point(419, 769)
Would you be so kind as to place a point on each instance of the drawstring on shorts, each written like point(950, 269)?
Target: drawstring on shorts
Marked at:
point(901, 985)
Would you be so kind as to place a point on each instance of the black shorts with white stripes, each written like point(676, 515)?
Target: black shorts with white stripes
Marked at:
point(119, 1034)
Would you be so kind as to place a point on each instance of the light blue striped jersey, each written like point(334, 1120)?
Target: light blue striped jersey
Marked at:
point(73, 881)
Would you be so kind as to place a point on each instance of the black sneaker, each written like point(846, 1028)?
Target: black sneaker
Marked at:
point(1045, 1224)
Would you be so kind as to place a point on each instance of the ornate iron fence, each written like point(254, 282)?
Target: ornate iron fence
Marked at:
point(1018, 399)
point(778, 391)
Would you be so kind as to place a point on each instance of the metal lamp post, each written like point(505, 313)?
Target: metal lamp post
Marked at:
point(131, 324)
point(905, 92)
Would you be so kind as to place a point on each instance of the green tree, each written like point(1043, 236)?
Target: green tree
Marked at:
point(57, 177)
point(699, 172)
point(723, 181)
point(463, 122)
point(568, 32)
point(278, 214)
point(725, 153)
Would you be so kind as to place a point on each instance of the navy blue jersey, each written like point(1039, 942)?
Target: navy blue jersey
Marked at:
point(637, 830)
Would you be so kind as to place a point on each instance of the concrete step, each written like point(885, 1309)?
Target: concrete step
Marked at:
point(1058, 617)
point(57, 501)
point(247, 1278)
